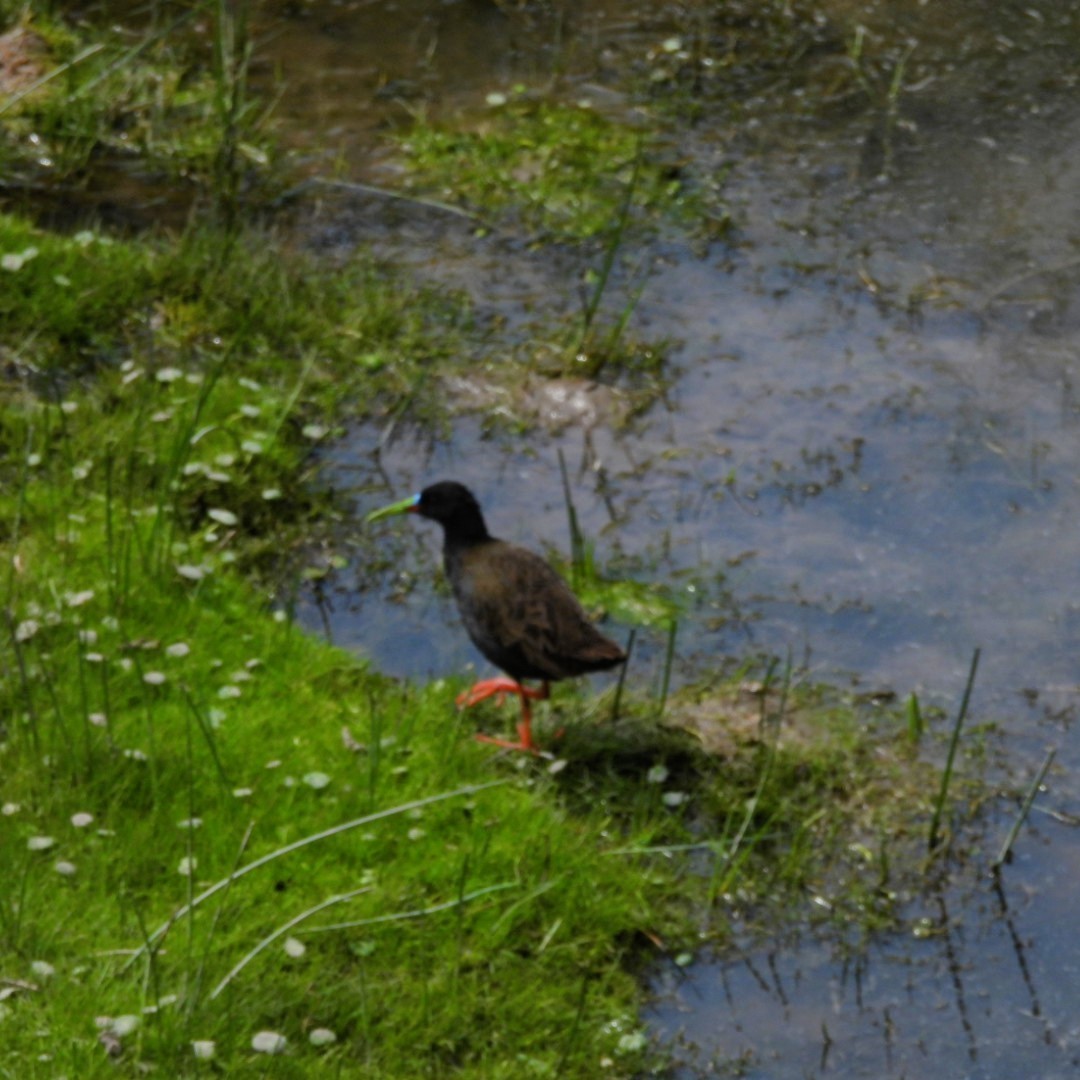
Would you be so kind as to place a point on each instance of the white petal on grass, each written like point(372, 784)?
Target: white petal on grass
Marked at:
point(322, 1037)
point(222, 516)
point(26, 629)
point(674, 798)
point(169, 374)
point(40, 843)
point(94, 658)
point(77, 599)
point(178, 649)
point(250, 411)
point(271, 494)
point(204, 1049)
point(121, 1025)
point(98, 719)
point(416, 833)
point(242, 793)
point(495, 99)
point(154, 678)
point(188, 865)
point(294, 947)
point(216, 717)
point(251, 446)
point(65, 868)
point(192, 573)
point(314, 432)
point(10, 808)
point(42, 969)
point(82, 819)
point(657, 774)
point(268, 1042)
point(316, 780)
point(229, 692)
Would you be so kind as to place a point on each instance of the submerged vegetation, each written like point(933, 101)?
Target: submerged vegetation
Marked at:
point(230, 847)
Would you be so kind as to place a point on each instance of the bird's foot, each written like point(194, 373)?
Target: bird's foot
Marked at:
point(498, 688)
point(509, 744)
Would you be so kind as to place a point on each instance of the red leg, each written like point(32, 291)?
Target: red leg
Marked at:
point(499, 688)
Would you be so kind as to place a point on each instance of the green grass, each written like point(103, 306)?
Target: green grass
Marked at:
point(565, 170)
point(161, 101)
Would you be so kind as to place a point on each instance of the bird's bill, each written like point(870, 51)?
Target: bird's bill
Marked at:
point(406, 506)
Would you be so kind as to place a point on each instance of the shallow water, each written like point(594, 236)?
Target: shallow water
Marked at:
point(867, 457)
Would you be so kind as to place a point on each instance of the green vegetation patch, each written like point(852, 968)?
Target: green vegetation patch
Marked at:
point(567, 170)
point(164, 98)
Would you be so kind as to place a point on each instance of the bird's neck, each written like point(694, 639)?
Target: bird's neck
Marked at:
point(467, 533)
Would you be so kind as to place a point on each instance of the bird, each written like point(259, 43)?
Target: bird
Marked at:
point(518, 611)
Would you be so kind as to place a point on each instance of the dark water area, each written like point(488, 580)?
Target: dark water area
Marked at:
point(867, 457)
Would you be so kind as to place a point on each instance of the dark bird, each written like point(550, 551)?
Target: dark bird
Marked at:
point(519, 613)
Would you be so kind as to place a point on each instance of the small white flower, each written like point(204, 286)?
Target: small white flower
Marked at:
point(294, 948)
point(229, 692)
point(154, 678)
point(674, 798)
point(314, 432)
point(204, 1049)
point(321, 1037)
point(268, 1042)
point(187, 866)
point(415, 833)
point(169, 374)
point(26, 629)
point(40, 843)
point(65, 868)
point(216, 717)
point(178, 649)
point(190, 823)
point(270, 495)
point(192, 573)
point(657, 774)
point(121, 1026)
point(251, 446)
point(82, 819)
point(221, 516)
point(495, 99)
point(242, 793)
point(77, 599)
point(10, 808)
point(316, 780)
point(250, 411)
point(42, 969)
point(94, 658)
point(98, 719)
point(88, 637)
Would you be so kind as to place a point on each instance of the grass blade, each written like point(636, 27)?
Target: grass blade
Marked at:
point(946, 775)
point(1006, 848)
